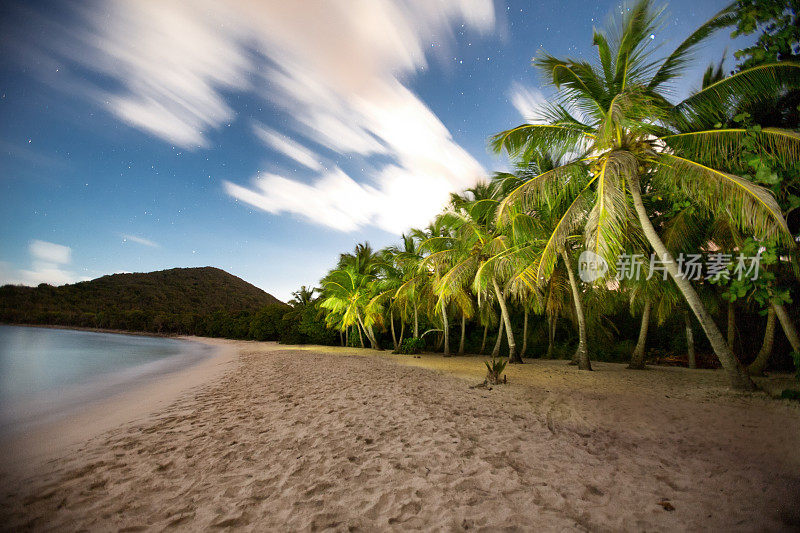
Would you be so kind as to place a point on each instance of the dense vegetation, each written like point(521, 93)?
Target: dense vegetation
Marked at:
point(194, 301)
point(615, 167)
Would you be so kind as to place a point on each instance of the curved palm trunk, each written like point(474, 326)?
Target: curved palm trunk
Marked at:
point(731, 331)
point(416, 322)
point(463, 334)
point(445, 330)
point(360, 338)
point(368, 332)
point(757, 367)
point(788, 328)
point(582, 353)
point(687, 322)
point(637, 357)
point(513, 356)
point(497, 343)
point(391, 321)
point(737, 375)
point(524, 335)
point(485, 332)
point(402, 330)
point(373, 340)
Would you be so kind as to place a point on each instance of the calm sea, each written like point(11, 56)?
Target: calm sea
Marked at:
point(47, 373)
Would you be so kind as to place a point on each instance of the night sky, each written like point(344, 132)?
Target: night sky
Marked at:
point(263, 138)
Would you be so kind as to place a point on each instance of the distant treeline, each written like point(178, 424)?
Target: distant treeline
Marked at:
point(183, 301)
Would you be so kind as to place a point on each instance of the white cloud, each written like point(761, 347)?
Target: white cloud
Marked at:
point(287, 147)
point(48, 265)
point(346, 95)
point(528, 102)
point(49, 252)
point(139, 240)
point(335, 67)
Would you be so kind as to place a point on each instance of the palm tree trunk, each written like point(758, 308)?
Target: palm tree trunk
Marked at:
point(485, 331)
point(416, 322)
point(637, 357)
point(360, 338)
point(731, 325)
point(687, 321)
point(513, 357)
point(341, 337)
point(391, 321)
point(524, 334)
point(497, 343)
point(788, 328)
point(757, 367)
point(402, 330)
point(582, 353)
point(373, 339)
point(737, 375)
point(552, 324)
point(463, 334)
point(445, 329)
point(368, 332)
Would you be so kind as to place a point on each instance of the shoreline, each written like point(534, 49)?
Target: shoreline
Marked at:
point(304, 438)
point(100, 330)
point(27, 451)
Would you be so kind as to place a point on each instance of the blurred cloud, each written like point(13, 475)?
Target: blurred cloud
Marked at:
point(291, 149)
point(48, 262)
point(528, 102)
point(335, 67)
point(139, 240)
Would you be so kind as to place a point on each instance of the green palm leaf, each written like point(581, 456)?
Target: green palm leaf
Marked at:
point(723, 147)
point(751, 208)
point(758, 84)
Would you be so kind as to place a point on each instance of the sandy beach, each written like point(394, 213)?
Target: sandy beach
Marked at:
point(277, 438)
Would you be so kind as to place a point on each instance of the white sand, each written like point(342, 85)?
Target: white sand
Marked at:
point(303, 439)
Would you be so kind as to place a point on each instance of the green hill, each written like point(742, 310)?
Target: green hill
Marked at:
point(203, 301)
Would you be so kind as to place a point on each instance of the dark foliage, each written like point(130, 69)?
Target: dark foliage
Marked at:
point(412, 345)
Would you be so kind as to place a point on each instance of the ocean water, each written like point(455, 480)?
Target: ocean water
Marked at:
point(47, 373)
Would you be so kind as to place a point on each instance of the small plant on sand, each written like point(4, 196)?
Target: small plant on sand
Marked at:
point(494, 369)
point(411, 346)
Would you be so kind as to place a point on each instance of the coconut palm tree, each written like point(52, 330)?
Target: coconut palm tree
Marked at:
point(347, 290)
point(547, 223)
point(616, 115)
point(475, 254)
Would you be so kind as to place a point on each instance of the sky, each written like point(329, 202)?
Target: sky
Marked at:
point(264, 137)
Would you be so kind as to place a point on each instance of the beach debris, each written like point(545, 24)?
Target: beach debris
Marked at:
point(665, 503)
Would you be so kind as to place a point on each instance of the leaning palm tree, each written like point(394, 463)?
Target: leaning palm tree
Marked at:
point(640, 145)
point(475, 254)
point(548, 225)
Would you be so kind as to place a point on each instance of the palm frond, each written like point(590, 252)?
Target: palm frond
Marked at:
point(713, 104)
point(674, 64)
point(524, 140)
point(606, 223)
point(723, 147)
point(535, 190)
point(751, 208)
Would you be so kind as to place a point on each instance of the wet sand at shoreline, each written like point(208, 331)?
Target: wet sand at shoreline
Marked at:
point(319, 438)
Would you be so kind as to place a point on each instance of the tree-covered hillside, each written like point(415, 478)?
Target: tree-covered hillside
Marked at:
point(205, 301)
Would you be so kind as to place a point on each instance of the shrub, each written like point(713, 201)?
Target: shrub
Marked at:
point(411, 346)
point(495, 368)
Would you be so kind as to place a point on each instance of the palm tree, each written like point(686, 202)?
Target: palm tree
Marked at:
point(639, 145)
point(547, 224)
point(347, 291)
point(476, 253)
